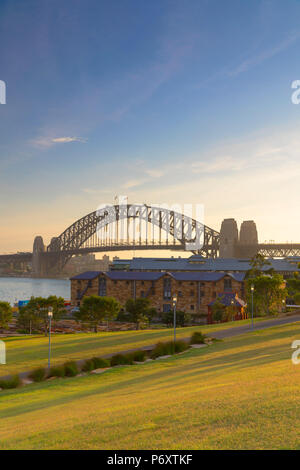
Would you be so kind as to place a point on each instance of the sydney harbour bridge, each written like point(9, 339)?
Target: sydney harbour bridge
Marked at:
point(143, 227)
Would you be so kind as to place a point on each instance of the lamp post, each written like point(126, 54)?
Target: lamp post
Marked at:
point(252, 290)
point(232, 312)
point(50, 315)
point(174, 299)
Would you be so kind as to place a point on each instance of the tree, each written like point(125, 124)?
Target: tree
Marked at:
point(182, 318)
point(257, 263)
point(5, 314)
point(139, 310)
point(95, 309)
point(230, 312)
point(34, 315)
point(218, 310)
point(269, 291)
point(293, 288)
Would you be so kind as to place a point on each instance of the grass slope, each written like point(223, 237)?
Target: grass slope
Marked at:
point(28, 352)
point(242, 393)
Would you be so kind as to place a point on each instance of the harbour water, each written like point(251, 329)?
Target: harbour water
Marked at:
point(13, 289)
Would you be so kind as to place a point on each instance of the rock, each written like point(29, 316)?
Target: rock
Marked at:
point(100, 371)
point(27, 381)
point(197, 346)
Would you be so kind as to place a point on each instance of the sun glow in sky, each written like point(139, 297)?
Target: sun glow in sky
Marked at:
point(164, 101)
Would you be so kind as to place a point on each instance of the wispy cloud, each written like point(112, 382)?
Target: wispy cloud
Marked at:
point(154, 172)
point(49, 141)
point(261, 57)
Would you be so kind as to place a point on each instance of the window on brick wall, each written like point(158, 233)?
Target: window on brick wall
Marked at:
point(166, 308)
point(167, 289)
point(142, 293)
point(192, 293)
point(102, 287)
point(90, 283)
point(192, 307)
point(152, 290)
point(179, 293)
point(227, 284)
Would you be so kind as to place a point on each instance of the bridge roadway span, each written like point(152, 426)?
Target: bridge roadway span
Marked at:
point(272, 250)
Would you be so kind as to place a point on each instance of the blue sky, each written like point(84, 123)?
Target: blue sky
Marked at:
point(165, 101)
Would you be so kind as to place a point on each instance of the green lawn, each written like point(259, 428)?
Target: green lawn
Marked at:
point(27, 352)
point(241, 393)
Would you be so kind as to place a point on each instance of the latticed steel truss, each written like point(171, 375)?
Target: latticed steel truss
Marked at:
point(92, 232)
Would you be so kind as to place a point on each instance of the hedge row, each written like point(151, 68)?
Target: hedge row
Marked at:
point(71, 369)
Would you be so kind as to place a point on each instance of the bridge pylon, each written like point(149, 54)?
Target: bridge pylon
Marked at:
point(38, 262)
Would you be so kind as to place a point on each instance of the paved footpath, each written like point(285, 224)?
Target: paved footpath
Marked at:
point(227, 333)
point(261, 325)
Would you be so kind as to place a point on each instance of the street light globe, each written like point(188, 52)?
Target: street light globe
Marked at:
point(174, 298)
point(50, 312)
point(252, 287)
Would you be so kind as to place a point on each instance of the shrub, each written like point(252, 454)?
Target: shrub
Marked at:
point(138, 356)
point(88, 365)
point(38, 375)
point(182, 318)
point(57, 371)
point(165, 349)
point(180, 346)
point(13, 382)
point(71, 369)
point(100, 363)
point(120, 359)
point(162, 349)
point(197, 338)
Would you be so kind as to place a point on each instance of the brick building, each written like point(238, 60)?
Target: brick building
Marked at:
point(194, 290)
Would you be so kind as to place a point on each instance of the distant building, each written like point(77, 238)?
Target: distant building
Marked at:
point(196, 263)
point(194, 290)
point(88, 262)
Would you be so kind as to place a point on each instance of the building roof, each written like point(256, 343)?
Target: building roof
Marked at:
point(134, 276)
point(198, 263)
point(227, 297)
point(206, 276)
point(154, 276)
point(86, 276)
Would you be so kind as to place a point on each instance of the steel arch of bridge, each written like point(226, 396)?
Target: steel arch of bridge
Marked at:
point(86, 234)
